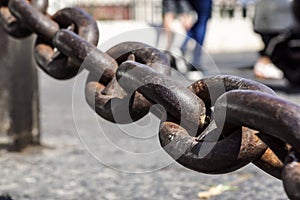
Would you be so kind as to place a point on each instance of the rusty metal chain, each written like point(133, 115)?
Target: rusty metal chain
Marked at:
point(216, 125)
point(15, 27)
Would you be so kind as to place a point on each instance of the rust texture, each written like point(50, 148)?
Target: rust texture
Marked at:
point(216, 125)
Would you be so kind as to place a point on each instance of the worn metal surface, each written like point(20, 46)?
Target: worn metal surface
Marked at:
point(241, 146)
point(14, 27)
point(98, 63)
point(35, 21)
point(143, 53)
point(291, 174)
point(185, 107)
point(111, 101)
point(217, 125)
point(256, 114)
point(59, 65)
point(238, 150)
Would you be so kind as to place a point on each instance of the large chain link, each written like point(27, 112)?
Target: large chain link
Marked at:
point(217, 125)
point(15, 27)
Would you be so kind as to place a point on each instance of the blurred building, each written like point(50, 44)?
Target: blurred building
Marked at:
point(143, 10)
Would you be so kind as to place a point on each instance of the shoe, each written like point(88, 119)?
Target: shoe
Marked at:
point(176, 61)
point(267, 71)
point(194, 75)
point(170, 58)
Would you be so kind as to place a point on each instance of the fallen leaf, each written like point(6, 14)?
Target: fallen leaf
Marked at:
point(215, 191)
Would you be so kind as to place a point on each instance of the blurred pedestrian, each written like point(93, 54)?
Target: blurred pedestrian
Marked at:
point(227, 8)
point(264, 68)
point(203, 9)
point(271, 18)
point(296, 10)
point(244, 4)
point(173, 9)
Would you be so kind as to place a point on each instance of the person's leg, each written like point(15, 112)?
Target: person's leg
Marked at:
point(264, 68)
point(187, 21)
point(244, 10)
point(296, 9)
point(203, 9)
point(189, 35)
point(263, 58)
point(168, 21)
point(185, 14)
point(169, 12)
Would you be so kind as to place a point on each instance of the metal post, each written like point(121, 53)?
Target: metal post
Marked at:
point(19, 103)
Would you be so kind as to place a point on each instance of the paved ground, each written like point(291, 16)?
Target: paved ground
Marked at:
point(66, 168)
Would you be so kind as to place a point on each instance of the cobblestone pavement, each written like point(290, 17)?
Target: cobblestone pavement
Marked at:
point(64, 169)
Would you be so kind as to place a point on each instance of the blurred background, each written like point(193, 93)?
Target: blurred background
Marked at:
point(79, 160)
point(228, 30)
point(229, 35)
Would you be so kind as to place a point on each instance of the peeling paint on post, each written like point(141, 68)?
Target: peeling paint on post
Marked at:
point(19, 101)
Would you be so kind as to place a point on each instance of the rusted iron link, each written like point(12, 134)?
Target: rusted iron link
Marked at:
point(143, 54)
point(111, 101)
point(102, 87)
point(13, 26)
point(272, 161)
point(203, 153)
point(60, 65)
point(209, 91)
point(256, 115)
point(34, 20)
point(83, 24)
point(291, 175)
point(54, 63)
point(184, 106)
point(208, 155)
point(41, 5)
point(217, 125)
point(211, 88)
point(100, 64)
point(212, 157)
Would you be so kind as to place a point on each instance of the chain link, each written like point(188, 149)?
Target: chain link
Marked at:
point(133, 103)
point(217, 125)
point(59, 65)
point(13, 26)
